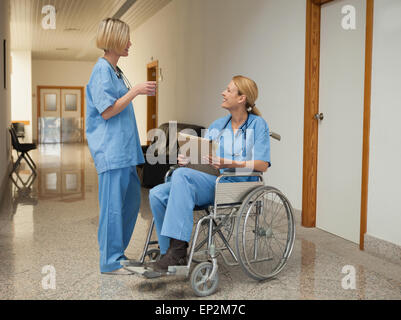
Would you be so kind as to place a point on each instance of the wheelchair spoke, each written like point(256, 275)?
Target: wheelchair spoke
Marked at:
point(276, 212)
point(273, 253)
point(274, 206)
point(278, 242)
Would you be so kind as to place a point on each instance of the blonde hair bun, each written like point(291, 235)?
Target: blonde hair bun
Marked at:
point(248, 87)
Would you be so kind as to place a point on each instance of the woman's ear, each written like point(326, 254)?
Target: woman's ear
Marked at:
point(242, 99)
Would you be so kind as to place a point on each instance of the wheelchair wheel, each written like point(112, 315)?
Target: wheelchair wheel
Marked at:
point(199, 283)
point(265, 233)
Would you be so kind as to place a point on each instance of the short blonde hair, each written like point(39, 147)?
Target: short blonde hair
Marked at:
point(112, 34)
point(248, 87)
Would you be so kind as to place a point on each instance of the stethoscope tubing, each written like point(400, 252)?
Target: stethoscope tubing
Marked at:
point(120, 75)
point(244, 135)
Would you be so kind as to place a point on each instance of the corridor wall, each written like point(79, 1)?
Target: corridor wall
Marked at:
point(200, 45)
point(5, 144)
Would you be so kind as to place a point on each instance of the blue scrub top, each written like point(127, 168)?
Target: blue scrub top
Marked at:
point(113, 143)
point(250, 142)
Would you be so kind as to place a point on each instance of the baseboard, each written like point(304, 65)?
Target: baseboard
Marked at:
point(383, 249)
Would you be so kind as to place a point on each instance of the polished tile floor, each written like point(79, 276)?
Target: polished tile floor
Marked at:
point(48, 231)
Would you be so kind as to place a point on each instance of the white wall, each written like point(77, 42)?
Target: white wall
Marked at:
point(156, 38)
point(384, 206)
point(57, 73)
point(21, 89)
point(5, 145)
point(201, 44)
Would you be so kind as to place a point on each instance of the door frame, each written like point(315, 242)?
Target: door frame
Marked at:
point(151, 65)
point(311, 107)
point(82, 89)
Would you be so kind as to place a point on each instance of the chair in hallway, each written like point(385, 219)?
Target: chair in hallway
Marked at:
point(22, 151)
point(19, 129)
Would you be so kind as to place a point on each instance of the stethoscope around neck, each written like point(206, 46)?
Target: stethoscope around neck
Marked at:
point(243, 128)
point(120, 74)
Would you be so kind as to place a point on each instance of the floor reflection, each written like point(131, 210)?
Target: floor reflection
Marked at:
point(23, 183)
point(61, 172)
point(307, 278)
point(64, 184)
point(22, 190)
point(60, 175)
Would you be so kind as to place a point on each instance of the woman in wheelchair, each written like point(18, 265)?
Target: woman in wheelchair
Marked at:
point(244, 144)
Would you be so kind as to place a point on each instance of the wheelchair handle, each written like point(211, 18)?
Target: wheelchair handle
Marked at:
point(275, 136)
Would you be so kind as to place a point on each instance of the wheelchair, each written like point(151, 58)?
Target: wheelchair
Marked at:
point(249, 224)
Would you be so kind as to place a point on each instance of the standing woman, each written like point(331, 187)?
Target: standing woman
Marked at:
point(114, 143)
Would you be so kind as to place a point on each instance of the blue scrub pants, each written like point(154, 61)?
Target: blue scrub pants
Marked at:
point(119, 199)
point(172, 204)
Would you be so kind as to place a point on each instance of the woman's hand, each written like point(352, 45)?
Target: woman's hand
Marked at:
point(221, 163)
point(147, 88)
point(183, 160)
point(216, 162)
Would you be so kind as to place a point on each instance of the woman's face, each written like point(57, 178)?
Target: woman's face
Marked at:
point(231, 98)
point(126, 50)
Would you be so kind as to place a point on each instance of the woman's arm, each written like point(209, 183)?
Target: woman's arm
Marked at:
point(221, 163)
point(147, 88)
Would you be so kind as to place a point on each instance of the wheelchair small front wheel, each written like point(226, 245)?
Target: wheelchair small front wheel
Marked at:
point(199, 280)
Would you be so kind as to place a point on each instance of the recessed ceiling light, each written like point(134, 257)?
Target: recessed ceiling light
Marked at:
point(71, 29)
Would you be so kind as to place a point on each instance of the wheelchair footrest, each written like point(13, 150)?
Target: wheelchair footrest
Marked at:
point(150, 274)
point(145, 272)
point(131, 263)
point(178, 271)
point(138, 270)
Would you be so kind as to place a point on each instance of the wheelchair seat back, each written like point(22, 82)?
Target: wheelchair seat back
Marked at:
point(234, 192)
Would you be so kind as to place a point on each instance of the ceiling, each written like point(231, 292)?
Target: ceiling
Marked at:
point(76, 25)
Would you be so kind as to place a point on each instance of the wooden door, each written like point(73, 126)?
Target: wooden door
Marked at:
point(152, 101)
point(60, 114)
point(49, 122)
point(311, 125)
point(71, 115)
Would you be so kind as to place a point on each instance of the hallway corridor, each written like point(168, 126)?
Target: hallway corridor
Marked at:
point(54, 223)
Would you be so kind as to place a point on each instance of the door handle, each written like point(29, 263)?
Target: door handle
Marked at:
point(319, 116)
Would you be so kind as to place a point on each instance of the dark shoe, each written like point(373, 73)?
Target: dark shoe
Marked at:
point(176, 256)
point(150, 264)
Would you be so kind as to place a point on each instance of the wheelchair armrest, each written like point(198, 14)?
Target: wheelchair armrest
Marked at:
point(170, 171)
point(225, 174)
point(240, 174)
